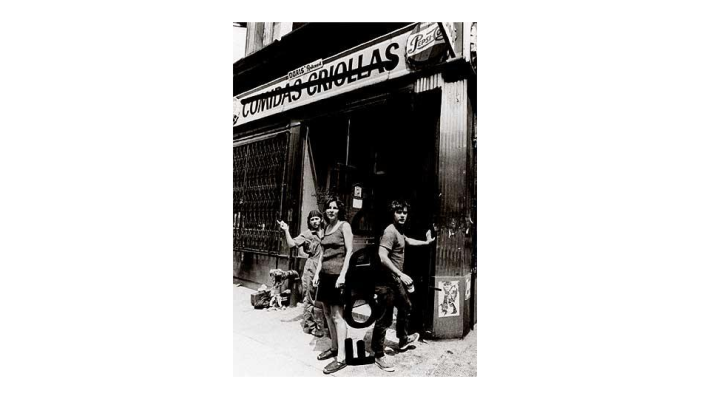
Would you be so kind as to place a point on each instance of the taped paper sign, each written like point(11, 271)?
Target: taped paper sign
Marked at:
point(449, 298)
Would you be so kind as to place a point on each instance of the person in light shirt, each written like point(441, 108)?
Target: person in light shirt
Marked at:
point(395, 284)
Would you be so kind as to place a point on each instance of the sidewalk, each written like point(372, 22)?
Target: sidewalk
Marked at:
point(271, 343)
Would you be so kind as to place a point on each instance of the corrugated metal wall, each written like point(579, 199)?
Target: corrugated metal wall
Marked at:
point(427, 83)
point(454, 246)
point(453, 253)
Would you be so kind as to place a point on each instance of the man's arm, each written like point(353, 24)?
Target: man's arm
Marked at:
point(385, 260)
point(419, 243)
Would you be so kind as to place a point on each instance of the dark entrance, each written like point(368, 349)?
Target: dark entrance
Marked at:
point(373, 155)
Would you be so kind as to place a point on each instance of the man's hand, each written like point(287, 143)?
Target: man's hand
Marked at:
point(429, 240)
point(283, 225)
point(406, 279)
point(315, 280)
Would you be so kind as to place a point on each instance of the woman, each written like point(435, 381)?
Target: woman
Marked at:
point(310, 241)
point(337, 246)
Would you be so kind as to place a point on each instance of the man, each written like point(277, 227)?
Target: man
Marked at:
point(395, 285)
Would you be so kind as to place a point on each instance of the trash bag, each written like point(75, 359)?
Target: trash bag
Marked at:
point(261, 299)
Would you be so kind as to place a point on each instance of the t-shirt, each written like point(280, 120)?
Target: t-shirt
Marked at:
point(393, 240)
point(310, 242)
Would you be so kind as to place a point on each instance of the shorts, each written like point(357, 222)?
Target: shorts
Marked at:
point(326, 291)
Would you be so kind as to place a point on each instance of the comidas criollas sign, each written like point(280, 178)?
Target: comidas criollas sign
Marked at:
point(373, 62)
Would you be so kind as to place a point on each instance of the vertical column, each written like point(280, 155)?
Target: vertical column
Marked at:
point(454, 243)
point(293, 179)
point(453, 248)
point(250, 41)
point(268, 34)
point(291, 203)
point(284, 28)
point(255, 37)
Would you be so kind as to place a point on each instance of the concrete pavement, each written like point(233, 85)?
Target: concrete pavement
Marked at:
point(271, 343)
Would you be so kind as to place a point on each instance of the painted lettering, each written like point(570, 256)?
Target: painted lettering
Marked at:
point(377, 58)
point(297, 92)
point(351, 78)
point(360, 74)
point(340, 68)
point(262, 104)
point(311, 90)
point(287, 94)
point(422, 40)
point(279, 98)
point(391, 56)
point(322, 76)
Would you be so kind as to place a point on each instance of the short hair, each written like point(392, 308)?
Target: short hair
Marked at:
point(397, 205)
point(339, 204)
point(313, 213)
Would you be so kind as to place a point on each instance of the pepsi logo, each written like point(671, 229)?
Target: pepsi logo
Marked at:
point(426, 45)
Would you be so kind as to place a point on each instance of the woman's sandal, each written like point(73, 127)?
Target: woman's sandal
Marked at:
point(334, 366)
point(327, 354)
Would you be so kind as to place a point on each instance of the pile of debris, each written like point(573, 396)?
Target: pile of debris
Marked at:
point(277, 297)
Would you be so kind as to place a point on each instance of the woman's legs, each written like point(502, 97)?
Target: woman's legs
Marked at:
point(339, 331)
point(331, 326)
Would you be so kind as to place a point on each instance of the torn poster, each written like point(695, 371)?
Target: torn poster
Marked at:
point(449, 298)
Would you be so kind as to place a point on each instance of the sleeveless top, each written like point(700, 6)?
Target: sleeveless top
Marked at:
point(333, 245)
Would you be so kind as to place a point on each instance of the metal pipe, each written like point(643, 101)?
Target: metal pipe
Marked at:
point(347, 145)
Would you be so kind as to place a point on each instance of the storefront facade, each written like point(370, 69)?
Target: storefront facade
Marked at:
point(389, 118)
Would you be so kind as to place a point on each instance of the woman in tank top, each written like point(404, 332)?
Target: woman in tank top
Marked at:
point(337, 245)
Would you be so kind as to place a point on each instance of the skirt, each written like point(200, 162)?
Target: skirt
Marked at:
point(326, 291)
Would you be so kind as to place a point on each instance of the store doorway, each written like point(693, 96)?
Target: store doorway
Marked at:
point(371, 156)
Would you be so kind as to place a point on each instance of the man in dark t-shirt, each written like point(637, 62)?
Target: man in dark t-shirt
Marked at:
point(396, 284)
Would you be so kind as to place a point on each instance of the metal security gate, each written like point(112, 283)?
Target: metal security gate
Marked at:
point(259, 171)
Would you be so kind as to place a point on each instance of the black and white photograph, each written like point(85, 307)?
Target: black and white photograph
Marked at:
point(350, 202)
point(354, 208)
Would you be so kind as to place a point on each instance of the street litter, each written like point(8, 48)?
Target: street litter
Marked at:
point(276, 297)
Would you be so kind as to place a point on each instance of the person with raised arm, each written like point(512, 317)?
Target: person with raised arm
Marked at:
point(396, 285)
point(310, 241)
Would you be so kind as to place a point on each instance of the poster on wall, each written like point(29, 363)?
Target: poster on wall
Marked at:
point(449, 298)
point(468, 288)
